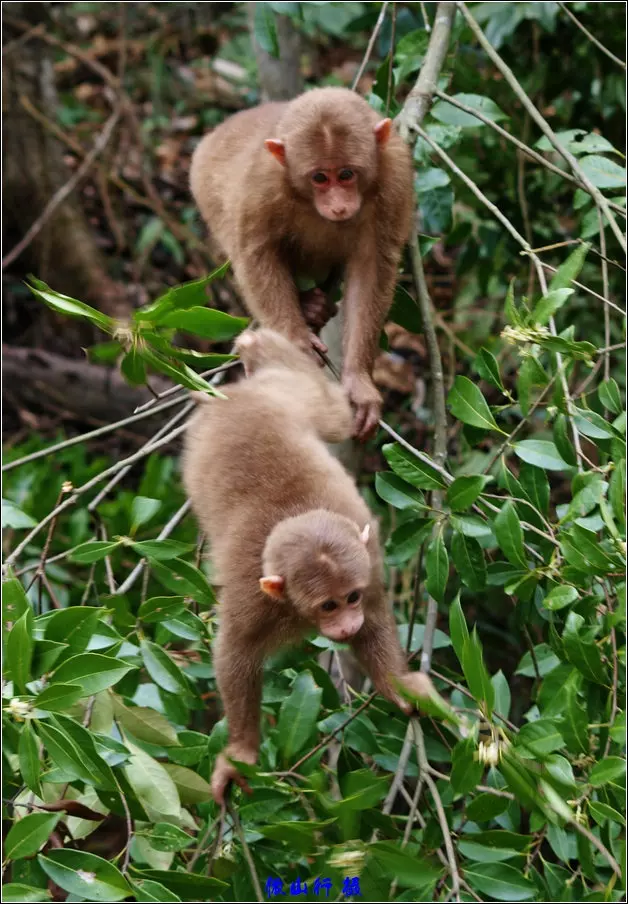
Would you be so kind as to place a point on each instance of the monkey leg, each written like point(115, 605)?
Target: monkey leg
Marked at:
point(239, 678)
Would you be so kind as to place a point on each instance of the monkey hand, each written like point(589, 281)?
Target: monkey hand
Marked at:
point(364, 396)
point(317, 308)
point(420, 686)
point(225, 772)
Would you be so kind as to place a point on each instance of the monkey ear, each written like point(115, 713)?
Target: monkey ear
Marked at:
point(277, 148)
point(366, 533)
point(382, 131)
point(273, 585)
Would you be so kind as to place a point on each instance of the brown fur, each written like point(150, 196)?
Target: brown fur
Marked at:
point(267, 218)
point(277, 505)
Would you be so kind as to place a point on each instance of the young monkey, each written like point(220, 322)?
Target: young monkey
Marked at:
point(292, 542)
point(316, 187)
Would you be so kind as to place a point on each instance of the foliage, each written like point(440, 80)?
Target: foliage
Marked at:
point(109, 707)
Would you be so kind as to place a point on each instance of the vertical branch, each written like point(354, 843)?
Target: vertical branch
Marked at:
point(605, 290)
point(414, 110)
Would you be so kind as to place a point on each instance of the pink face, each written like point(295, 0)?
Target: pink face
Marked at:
point(336, 194)
point(340, 619)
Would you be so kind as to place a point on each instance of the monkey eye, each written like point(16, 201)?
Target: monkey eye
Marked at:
point(320, 178)
point(329, 606)
point(354, 596)
point(345, 175)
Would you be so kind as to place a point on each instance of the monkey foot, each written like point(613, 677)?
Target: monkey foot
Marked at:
point(317, 307)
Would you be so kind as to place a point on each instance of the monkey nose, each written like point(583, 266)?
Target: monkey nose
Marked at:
point(339, 212)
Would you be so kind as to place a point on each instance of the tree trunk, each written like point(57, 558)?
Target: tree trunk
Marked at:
point(64, 252)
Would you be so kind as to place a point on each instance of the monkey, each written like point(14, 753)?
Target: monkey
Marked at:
point(294, 547)
point(318, 187)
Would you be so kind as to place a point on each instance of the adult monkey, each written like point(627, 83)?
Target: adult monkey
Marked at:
point(310, 188)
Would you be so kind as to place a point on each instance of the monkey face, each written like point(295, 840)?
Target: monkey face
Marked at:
point(319, 563)
point(336, 193)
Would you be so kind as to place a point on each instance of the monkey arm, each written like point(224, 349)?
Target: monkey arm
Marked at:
point(377, 649)
point(269, 290)
point(239, 677)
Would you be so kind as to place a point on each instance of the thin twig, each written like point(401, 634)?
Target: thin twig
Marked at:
point(199, 849)
point(178, 516)
point(523, 147)
point(393, 30)
point(420, 97)
point(595, 841)
point(591, 37)
point(584, 288)
point(247, 853)
point(424, 769)
point(66, 189)
point(91, 434)
point(606, 292)
point(370, 45)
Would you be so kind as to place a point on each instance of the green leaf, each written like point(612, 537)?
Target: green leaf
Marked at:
point(539, 738)
point(93, 551)
point(602, 172)
point(142, 510)
point(159, 607)
point(446, 113)
point(410, 870)
point(405, 311)
point(541, 453)
point(397, 492)
point(19, 650)
point(191, 787)
point(485, 807)
point(437, 568)
point(468, 559)
point(530, 374)
point(487, 368)
point(14, 517)
point(14, 601)
point(536, 486)
point(185, 295)
point(549, 304)
point(73, 627)
point(475, 671)
point(189, 886)
point(607, 771)
point(162, 669)
point(165, 837)
point(85, 875)
point(265, 29)
point(64, 754)
point(560, 596)
point(412, 469)
point(133, 368)
point(29, 758)
point(500, 881)
point(178, 371)
point(466, 769)
point(184, 578)
point(93, 671)
point(147, 890)
point(602, 812)
point(152, 785)
point(63, 304)
point(617, 492)
point(298, 716)
point(502, 694)
point(469, 405)
point(28, 835)
point(17, 893)
point(58, 697)
point(145, 724)
point(570, 268)
point(458, 628)
point(609, 396)
point(591, 424)
point(582, 651)
point(84, 743)
point(580, 351)
point(463, 492)
point(161, 550)
point(299, 835)
point(431, 177)
point(208, 323)
point(575, 724)
point(509, 535)
point(404, 542)
point(562, 440)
